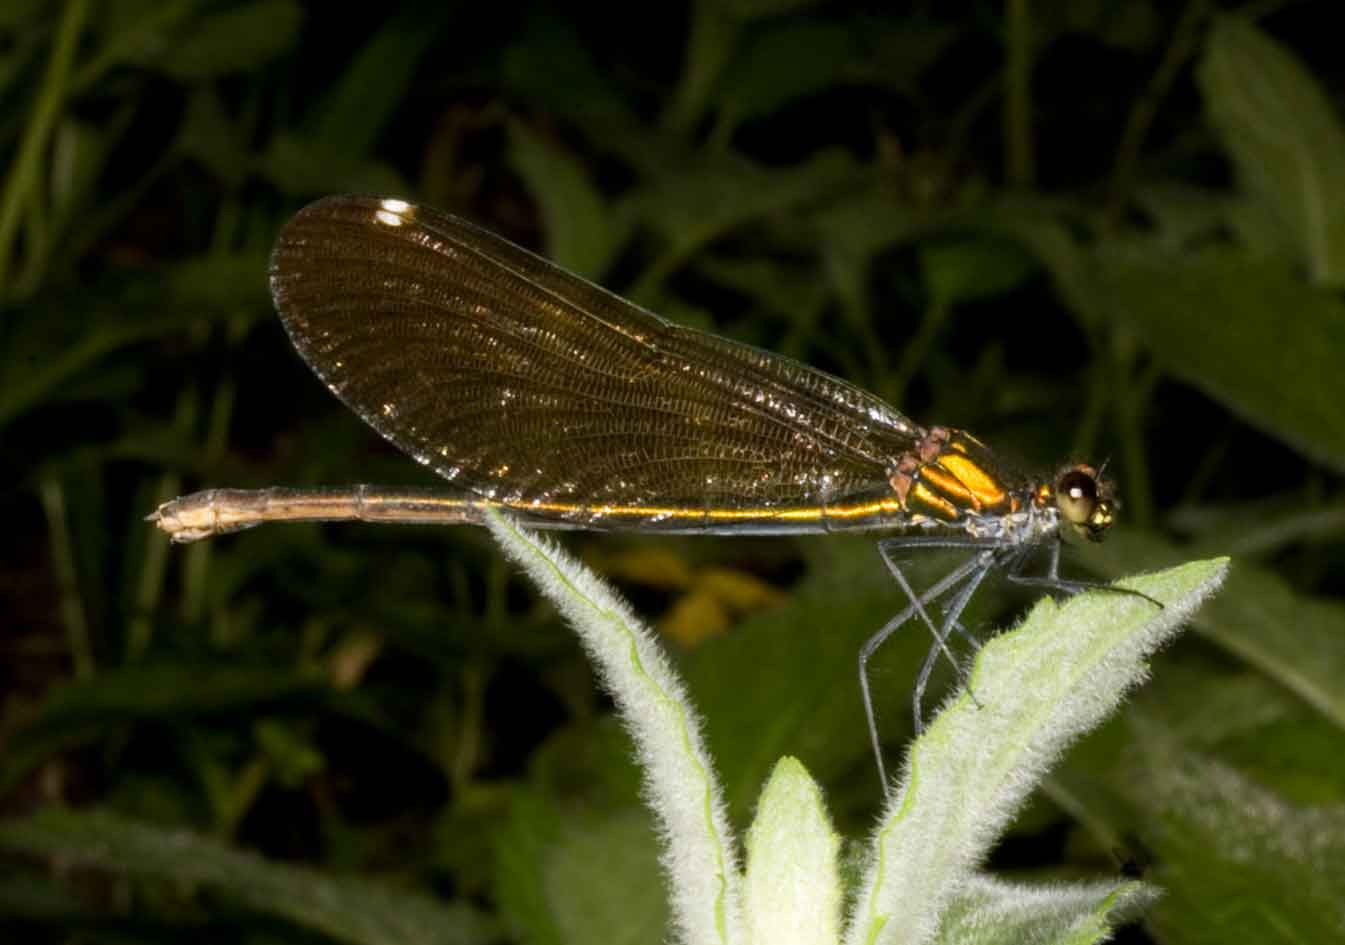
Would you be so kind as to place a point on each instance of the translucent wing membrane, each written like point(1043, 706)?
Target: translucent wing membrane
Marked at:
point(524, 384)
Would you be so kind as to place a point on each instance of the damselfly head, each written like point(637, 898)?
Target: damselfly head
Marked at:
point(1085, 500)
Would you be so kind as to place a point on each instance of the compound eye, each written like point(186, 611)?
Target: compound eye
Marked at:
point(1076, 494)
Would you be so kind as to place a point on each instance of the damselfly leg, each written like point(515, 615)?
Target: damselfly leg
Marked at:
point(962, 582)
point(968, 575)
point(951, 623)
point(1052, 581)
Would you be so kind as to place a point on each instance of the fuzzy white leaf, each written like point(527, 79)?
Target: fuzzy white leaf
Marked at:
point(698, 852)
point(793, 885)
point(1038, 688)
point(987, 911)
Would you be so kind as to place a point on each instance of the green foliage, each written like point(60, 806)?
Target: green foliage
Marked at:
point(1249, 329)
point(1285, 136)
point(1038, 689)
point(346, 909)
point(256, 738)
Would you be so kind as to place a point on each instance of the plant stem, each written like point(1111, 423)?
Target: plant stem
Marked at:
point(67, 576)
point(25, 173)
point(1145, 110)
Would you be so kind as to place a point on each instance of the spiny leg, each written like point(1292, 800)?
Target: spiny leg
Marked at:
point(952, 611)
point(917, 606)
point(963, 678)
point(950, 623)
point(1052, 581)
point(967, 635)
point(867, 650)
point(925, 542)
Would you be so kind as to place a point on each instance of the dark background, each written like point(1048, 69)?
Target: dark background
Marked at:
point(1113, 232)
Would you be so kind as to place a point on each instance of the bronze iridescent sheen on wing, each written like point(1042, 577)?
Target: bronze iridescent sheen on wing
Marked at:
point(532, 390)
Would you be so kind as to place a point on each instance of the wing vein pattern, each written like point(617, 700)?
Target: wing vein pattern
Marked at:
point(523, 383)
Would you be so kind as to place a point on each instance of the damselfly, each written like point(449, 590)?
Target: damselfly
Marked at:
point(534, 391)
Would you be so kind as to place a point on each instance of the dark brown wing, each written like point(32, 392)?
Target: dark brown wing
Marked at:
point(524, 383)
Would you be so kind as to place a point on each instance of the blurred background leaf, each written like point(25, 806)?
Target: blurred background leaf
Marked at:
point(1082, 231)
point(349, 911)
point(1286, 138)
